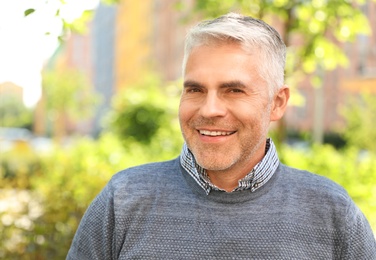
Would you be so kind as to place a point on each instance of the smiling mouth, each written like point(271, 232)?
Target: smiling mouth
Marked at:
point(215, 133)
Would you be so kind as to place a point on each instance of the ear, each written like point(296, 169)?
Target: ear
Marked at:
point(279, 105)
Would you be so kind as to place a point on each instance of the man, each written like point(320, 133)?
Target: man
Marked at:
point(227, 196)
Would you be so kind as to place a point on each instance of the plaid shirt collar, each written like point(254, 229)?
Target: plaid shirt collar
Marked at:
point(260, 174)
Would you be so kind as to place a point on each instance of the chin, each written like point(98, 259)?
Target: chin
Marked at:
point(214, 165)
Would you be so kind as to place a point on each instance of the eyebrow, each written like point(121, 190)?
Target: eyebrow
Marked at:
point(229, 84)
point(191, 83)
point(233, 84)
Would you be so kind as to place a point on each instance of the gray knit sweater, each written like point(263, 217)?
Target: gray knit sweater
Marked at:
point(158, 211)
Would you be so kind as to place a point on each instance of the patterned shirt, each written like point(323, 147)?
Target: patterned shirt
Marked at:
point(259, 175)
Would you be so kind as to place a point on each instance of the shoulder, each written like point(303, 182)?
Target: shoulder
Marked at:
point(146, 174)
point(309, 180)
point(313, 187)
point(326, 205)
point(317, 198)
point(149, 169)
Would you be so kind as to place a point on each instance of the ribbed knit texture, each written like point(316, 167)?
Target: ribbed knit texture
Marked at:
point(158, 211)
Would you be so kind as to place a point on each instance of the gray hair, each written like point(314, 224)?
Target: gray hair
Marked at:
point(252, 35)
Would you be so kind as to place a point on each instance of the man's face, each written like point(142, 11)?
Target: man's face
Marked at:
point(225, 109)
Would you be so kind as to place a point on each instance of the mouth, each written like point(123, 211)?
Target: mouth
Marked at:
point(215, 133)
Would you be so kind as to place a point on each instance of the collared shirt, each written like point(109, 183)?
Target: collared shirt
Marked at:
point(259, 175)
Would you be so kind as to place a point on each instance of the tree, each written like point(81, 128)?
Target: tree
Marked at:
point(68, 25)
point(145, 112)
point(67, 95)
point(312, 31)
point(13, 112)
point(360, 118)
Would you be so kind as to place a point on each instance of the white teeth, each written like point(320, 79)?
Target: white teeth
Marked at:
point(214, 133)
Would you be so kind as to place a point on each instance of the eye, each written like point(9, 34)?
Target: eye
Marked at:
point(236, 90)
point(193, 90)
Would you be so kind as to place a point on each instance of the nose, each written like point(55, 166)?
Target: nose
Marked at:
point(213, 106)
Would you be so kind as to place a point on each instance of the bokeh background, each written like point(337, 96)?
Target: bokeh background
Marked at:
point(88, 88)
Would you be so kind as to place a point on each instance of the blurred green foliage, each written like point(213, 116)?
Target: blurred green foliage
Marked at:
point(67, 93)
point(68, 90)
point(360, 114)
point(318, 24)
point(14, 113)
point(43, 198)
point(141, 122)
point(142, 111)
point(44, 195)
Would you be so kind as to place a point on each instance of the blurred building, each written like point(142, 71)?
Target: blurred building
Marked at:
point(168, 34)
point(79, 56)
point(75, 55)
point(103, 52)
point(132, 42)
point(149, 37)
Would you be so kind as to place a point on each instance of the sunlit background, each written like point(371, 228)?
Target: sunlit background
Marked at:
point(26, 43)
point(89, 87)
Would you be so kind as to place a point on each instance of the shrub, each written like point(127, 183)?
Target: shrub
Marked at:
point(41, 209)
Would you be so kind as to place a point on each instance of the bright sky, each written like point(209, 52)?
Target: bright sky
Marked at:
point(24, 45)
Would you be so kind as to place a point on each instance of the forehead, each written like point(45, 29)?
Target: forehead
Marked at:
point(222, 60)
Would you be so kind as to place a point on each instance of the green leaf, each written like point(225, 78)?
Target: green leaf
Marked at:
point(29, 11)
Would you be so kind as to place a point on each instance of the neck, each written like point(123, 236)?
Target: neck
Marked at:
point(223, 180)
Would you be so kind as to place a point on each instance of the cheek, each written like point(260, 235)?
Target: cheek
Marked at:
point(186, 111)
point(183, 118)
point(252, 116)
